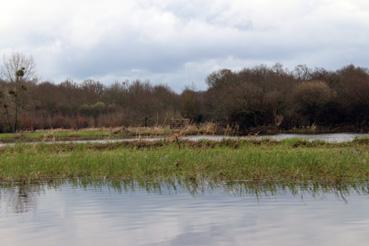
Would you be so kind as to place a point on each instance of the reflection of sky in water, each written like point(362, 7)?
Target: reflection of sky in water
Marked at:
point(76, 216)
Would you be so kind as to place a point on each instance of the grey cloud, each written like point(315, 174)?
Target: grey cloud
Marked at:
point(169, 41)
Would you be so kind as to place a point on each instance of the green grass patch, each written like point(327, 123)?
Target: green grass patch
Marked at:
point(227, 161)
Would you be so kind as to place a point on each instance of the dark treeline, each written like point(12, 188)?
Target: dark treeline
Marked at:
point(91, 104)
point(304, 97)
point(253, 97)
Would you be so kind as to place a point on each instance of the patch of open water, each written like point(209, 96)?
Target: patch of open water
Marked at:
point(69, 214)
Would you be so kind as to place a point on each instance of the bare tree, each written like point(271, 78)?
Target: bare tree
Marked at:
point(14, 63)
point(17, 69)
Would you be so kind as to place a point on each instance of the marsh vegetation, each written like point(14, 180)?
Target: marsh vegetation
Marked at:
point(110, 133)
point(290, 161)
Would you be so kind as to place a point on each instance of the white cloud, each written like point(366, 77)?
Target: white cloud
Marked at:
point(164, 39)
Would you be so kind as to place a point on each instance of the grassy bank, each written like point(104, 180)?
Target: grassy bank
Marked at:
point(291, 161)
point(160, 131)
point(107, 133)
point(83, 134)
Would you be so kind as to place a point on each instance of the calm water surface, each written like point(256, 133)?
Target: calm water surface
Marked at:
point(98, 215)
point(329, 138)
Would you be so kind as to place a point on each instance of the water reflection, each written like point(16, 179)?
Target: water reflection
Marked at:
point(21, 197)
point(85, 212)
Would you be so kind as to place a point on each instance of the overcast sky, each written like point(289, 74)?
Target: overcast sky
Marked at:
point(178, 42)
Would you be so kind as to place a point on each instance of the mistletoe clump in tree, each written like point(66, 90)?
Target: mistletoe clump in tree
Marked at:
point(17, 70)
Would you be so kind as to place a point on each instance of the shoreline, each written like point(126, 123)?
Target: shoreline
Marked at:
point(206, 129)
point(324, 137)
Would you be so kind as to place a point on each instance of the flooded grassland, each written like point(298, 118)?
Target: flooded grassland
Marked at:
point(288, 161)
point(199, 192)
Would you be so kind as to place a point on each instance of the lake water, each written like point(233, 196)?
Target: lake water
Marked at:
point(105, 215)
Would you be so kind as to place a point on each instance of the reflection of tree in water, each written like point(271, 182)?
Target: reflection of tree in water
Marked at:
point(199, 186)
point(22, 197)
